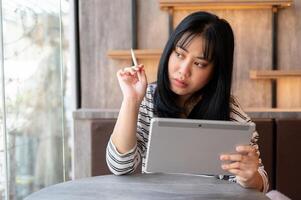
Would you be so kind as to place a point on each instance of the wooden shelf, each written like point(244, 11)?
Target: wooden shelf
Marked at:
point(222, 4)
point(276, 113)
point(140, 54)
point(273, 110)
point(274, 74)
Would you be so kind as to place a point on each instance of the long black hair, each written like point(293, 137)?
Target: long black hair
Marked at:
point(218, 49)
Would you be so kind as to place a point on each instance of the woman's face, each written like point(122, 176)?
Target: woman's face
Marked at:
point(188, 71)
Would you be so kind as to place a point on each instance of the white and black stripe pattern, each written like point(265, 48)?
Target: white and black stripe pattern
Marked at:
point(120, 164)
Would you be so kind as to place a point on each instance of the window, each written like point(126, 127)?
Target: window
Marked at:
point(36, 103)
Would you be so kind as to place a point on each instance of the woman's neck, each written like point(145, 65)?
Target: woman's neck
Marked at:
point(188, 104)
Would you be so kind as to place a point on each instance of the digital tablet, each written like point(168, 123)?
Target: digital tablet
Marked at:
point(193, 146)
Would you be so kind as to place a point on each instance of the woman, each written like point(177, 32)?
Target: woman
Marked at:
point(193, 81)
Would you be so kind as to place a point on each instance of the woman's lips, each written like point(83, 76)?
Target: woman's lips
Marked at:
point(180, 84)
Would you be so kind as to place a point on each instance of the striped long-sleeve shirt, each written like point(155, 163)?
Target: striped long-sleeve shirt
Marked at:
point(126, 163)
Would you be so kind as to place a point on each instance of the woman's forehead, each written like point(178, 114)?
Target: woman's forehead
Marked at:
point(194, 45)
point(200, 43)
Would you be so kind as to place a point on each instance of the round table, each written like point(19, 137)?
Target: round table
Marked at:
point(146, 186)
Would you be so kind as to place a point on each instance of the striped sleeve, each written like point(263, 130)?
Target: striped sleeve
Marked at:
point(145, 115)
point(121, 164)
point(237, 114)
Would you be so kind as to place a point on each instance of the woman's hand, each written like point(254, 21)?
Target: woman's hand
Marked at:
point(133, 83)
point(244, 164)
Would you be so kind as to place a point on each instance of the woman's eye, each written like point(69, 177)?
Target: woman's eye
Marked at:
point(200, 65)
point(179, 55)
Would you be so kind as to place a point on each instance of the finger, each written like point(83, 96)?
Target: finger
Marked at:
point(141, 75)
point(241, 175)
point(126, 76)
point(133, 71)
point(234, 165)
point(140, 66)
point(121, 73)
point(246, 149)
point(135, 68)
point(236, 172)
point(232, 157)
point(130, 70)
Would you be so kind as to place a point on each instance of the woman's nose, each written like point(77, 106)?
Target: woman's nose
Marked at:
point(185, 68)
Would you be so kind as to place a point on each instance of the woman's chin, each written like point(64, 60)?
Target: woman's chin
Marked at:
point(179, 91)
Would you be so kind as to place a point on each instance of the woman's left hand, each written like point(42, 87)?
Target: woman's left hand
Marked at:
point(244, 165)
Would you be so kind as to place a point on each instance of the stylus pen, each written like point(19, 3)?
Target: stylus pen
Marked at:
point(134, 58)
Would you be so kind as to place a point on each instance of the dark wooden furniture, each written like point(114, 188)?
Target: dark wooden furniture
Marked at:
point(288, 159)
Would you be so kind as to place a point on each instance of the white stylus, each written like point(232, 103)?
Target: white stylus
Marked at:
point(134, 58)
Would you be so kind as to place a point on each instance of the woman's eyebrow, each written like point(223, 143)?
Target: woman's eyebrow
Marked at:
point(198, 57)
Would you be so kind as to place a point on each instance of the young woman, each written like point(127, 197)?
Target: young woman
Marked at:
point(193, 81)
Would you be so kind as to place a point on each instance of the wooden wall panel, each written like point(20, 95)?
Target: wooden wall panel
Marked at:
point(104, 25)
point(289, 92)
point(151, 69)
point(289, 51)
point(152, 33)
point(289, 33)
point(252, 51)
point(152, 25)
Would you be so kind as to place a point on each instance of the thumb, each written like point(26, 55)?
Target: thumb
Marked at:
point(141, 74)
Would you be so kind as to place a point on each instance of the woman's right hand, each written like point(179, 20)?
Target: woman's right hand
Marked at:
point(133, 83)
